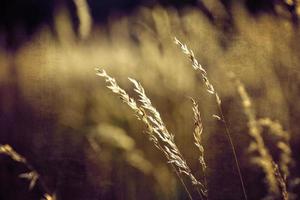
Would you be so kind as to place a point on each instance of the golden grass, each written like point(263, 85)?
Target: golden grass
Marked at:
point(164, 141)
point(32, 176)
point(281, 181)
point(156, 129)
point(277, 177)
point(210, 89)
point(264, 159)
point(53, 69)
point(120, 140)
point(198, 131)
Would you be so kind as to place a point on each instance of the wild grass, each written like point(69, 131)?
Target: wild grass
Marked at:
point(32, 176)
point(198, 131)
point(156, 129)
point(277, 176)
point(264, 159)
point(210, 89)
point(281, 181)
point(50, 76)
point(164, 141)
point(121, 141)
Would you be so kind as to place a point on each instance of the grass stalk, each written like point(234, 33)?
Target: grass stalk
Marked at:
point(156, 129)
point(210, 89)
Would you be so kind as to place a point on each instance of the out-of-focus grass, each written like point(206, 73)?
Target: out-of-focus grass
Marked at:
point(53, 75)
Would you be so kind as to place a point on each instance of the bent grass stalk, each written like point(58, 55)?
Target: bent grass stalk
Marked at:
point(276, 181)
point(264, 158)
point(210, 89)
point(32, 176)
point(156, 129)
point(276, 129)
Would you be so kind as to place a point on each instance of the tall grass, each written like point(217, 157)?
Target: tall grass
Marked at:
point(156, 129)
point(210, 89)
point(164, 141)
point(50, 98)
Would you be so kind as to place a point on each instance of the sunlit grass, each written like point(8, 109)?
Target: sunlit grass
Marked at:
point(54, 74)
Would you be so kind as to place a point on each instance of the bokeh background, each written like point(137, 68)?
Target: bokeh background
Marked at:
point(87, 145)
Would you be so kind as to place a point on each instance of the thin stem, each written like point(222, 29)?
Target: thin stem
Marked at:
point(182, 182)
point(210, 89)
point(200, 194)
point(177, 173)
point(233, 151)
point(205, 183)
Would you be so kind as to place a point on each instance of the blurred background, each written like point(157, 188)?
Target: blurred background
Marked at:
point(87, 145)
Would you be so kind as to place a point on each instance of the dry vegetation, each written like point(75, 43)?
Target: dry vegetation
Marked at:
point(83, 144)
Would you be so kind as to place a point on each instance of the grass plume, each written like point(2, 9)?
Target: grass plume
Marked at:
point(32, 176)
point(277, 176)
point(276, 129)
point(211, 90)
point(281, 182)
point(198, 131)
point(156, 129)
point(264, 158)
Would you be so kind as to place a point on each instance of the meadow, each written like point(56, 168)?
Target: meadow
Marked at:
point(80, 141)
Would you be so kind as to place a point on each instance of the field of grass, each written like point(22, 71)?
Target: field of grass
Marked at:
point(81, 142)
